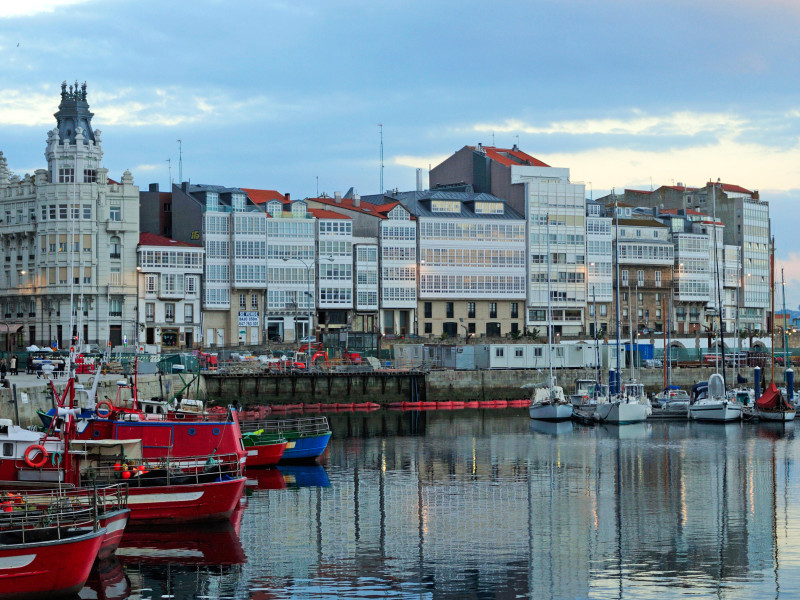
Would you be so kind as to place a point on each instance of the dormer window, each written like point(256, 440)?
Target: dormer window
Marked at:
point(299, 208)
point(237, 202)
point(489, 208)
point(446, 206)
point(398, 214)
point(212, 201)
point(274, 208)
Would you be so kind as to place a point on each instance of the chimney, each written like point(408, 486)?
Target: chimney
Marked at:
point(153, 187)
point(337, 197)
point(287, 196)
point(356, 200)
point(184, 186)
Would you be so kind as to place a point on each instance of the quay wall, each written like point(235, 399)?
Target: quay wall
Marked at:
point(20, 401)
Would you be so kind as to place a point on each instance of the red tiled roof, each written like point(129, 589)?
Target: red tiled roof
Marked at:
point(732, 187)
point(507, 156)
point(364, 207)
point(151, 239)
point(321, 213)
point(264, 196)
point(720, 223)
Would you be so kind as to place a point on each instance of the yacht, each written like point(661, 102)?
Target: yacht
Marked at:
point(630, 406)
point(715, 406)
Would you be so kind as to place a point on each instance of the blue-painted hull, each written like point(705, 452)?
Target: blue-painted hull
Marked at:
point(306, 448)
point(304, 476)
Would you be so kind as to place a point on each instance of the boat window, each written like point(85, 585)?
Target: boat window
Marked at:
point(8, 449)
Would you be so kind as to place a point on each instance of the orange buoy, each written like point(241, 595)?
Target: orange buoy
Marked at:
point(117, 466)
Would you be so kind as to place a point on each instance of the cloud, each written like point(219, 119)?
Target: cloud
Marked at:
point(149, 167)
point(419, 162)
point(164, 107)
point(679, 123)
point(13, 8)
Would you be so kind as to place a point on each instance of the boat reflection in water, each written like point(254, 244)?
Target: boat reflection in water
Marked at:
point(288, 476)
point(107, 581)
point(551, 427)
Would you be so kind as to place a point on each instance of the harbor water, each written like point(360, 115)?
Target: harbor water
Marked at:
point(487, 504)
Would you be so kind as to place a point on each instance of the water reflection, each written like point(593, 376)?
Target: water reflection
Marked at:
point(479, 504)
point(548, 428)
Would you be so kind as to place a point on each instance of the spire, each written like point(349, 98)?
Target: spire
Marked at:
point(73, 113)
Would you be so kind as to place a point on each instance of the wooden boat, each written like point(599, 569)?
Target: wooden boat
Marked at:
point(263, 449)
point(307, 438)
point(47, 553)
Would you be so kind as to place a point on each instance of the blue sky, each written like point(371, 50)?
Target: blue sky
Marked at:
point(275, 94)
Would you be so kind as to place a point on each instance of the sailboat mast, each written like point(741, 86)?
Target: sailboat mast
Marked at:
point(785, 338)
point(616, 260)
point(549, 312)
point(716, 278)
point(772, 308)
point(596, 340)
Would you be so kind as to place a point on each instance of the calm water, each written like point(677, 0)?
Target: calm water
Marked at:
point(485, 504)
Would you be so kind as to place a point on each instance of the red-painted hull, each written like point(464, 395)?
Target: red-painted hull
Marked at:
point(168, 505)
point(265, 456)
point(48, 569)
point(114, 523)
point(266, 479)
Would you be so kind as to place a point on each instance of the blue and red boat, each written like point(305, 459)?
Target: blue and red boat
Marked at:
point(307, 438)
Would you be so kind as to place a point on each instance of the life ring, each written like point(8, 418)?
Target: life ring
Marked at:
point(30, 453)
point(585, 399)
point(104, 413)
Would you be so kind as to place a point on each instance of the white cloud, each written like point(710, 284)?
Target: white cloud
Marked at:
point(679, 123)
point(29, 8)
point(149, 167)
point(419, 162)
point(132, 108)
point(753, 166)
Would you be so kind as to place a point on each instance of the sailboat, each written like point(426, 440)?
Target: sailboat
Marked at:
point(628, 403)
point(716, 406)
point(548, 402)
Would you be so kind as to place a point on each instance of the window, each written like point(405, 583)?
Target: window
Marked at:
point(242, 301)
point(492, 310)
point(625, 277)
point(514, 310)
point(87, 212)
point(658, 281)
point(169, 312)
point(52, 210)
point(150, 312)
point(115, 277)
point(428, 327)
point(470, 310)
point(428, 310)
point(519, 351)
point(188, 313)
point(191, 284)
point(115, 247)
point(62, 211)
point(499, 352)
point(448, 206)
point(115, 307)
point(254, 301)
point(150, 285)
point(66, 175)
point(75, 211)
point(471, 328)
point(90, 176)
point(640, 278)
point(449, 310)
point(603, 310)
point(115, 213)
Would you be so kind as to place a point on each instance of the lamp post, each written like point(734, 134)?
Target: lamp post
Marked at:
point(308, 267)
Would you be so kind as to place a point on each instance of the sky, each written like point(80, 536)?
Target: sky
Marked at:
point(290, 95)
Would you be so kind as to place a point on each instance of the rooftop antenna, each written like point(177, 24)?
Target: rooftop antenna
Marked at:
point(517, 136)
point(180, 161)
point(169, 166)
point(492, 138)
point(380, 127)
point(317, 186)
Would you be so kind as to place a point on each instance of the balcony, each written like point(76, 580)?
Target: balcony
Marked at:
point(112, 225)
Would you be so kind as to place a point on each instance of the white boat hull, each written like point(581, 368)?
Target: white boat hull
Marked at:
point(622, 413)
point(550, 411)
point(780, 416)
point(715, 411)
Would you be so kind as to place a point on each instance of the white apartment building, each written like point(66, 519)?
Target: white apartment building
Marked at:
point(169, 307)
point(692, 276)
point(334, 270)
point(69, 236)
point(365, 255)
point(599, 268)
point(398, 272)
point(472, 264)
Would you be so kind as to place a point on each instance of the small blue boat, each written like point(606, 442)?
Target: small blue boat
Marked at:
point(307, 437)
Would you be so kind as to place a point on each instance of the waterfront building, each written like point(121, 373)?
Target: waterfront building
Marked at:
point(169, 308)
point(384, 219)
point(600, 269)
point(747, 226)
point(335, 269)
point(550, 202)
point(365, 254)
point(471, 263)
point(69, 236)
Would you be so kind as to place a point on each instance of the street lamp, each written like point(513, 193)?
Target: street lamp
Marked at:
point(308, 267)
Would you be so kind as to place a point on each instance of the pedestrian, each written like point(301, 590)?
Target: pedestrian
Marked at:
point(3, 368)
point(14, 364)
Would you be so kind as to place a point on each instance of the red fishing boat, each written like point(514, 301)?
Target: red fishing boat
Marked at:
point(47, 553)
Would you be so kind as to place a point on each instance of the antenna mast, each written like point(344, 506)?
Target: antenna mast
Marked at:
point(380, 127)
point(180, 161)
point(169, 166)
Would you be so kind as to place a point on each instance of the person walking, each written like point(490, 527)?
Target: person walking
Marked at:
point(14, 365)
point(3, 368)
